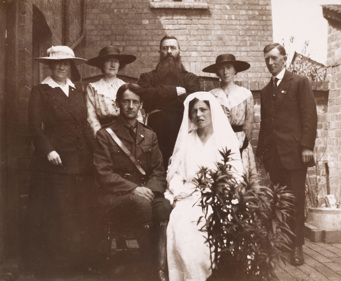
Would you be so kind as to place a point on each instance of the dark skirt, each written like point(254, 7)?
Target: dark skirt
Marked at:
point(59, 218)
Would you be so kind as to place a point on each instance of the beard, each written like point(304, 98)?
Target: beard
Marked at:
point(169, 71)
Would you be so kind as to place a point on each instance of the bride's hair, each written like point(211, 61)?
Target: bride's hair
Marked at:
point(193, 102)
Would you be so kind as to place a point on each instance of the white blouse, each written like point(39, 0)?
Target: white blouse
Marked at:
point(101, 102)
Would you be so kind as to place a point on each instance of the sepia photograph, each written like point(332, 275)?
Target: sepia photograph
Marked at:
point(170, 140)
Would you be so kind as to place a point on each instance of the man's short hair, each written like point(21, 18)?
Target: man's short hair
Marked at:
point(169, 37)
point(271, 46)
point(136, 89)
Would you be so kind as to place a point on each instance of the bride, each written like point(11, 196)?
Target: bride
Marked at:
point(204, 131)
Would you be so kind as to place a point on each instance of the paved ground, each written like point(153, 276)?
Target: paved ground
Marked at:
point(322, 263)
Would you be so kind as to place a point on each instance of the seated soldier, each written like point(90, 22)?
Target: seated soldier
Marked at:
point(131, 173)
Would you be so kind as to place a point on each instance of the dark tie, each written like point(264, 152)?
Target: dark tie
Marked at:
point(132, 132)
point(275, 81)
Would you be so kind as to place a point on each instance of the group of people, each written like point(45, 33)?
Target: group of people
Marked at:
point(143, 145)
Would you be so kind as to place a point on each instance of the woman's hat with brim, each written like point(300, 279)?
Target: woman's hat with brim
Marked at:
point(108, 52)
point(227, 58)
point(60, 53)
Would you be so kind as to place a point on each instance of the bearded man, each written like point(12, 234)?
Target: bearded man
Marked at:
point(164, 90)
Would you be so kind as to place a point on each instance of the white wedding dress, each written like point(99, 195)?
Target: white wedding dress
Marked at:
point(187, 251)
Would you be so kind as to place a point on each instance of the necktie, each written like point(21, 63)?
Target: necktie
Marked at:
point(275, 81)
point(132, 132)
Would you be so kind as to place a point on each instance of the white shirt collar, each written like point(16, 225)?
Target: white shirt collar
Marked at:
point(280, 76)
point(53, 84)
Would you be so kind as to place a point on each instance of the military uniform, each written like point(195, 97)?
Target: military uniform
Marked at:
point(117, 173)
point(119, 177)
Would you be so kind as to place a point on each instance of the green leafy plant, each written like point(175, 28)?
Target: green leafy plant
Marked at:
point(246, 224)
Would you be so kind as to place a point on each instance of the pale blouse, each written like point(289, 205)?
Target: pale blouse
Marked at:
point(101, 102)
point(238, 105)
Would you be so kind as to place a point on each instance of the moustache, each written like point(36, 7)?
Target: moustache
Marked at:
point(170, 57)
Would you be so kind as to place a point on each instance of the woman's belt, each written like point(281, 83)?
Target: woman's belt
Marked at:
point(237, 128)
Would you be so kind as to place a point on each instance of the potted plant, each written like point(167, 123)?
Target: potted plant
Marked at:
point(245, 223)
point(323, 221)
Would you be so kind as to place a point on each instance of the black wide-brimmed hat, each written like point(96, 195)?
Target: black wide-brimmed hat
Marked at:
point(227, 58)
point(111, 51)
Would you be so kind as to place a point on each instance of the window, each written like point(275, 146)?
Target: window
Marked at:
point(178, 4)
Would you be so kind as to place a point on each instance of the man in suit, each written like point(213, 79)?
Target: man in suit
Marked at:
point(287, 135)
point(134, 186)
point(165, 89)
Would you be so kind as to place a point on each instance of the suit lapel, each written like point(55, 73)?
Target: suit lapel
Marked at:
point(70, 103)
point(282, 90)
point(267, 94)
point(139, 133)
point(122, 132)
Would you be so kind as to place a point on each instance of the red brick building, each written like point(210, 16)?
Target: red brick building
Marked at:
point(205, 28)
point(333, 14)
point(27, 29)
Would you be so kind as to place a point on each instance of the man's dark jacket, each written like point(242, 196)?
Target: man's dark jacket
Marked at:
point(162, 96)
point(117, 173)
point(288, 120)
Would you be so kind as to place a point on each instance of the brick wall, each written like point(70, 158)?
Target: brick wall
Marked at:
point(334, 105)
point(53, 13)
point(22, 17)
point(240, 27)
point(22, 73)
point(321, 91)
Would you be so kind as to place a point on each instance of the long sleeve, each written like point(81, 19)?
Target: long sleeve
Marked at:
point(157, 178)
point(104, 164)
point(308, 114)
point(157, 97)
point(91, 108)
point(192, 83)
point(35, 121)
point(260, 144)
point(249, 118)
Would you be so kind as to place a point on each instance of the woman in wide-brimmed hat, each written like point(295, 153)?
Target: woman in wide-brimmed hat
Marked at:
point(61, 165)
point(101, 95)
point(238, 105)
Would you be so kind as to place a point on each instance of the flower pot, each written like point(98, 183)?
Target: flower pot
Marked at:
point(324, 225)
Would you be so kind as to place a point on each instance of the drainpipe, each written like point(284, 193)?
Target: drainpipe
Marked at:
point(327, 177)
point(82, 35)
point(65, 23)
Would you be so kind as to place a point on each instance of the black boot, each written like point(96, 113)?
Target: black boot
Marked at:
point(145, 245)
point(162, 252)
